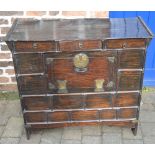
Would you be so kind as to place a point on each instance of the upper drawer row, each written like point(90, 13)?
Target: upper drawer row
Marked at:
point(36, 46)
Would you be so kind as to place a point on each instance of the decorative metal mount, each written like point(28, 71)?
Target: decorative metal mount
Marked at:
point(49, 61)
point(62, 88)
point(99, 84)
point(111, 59)
point(81, 61)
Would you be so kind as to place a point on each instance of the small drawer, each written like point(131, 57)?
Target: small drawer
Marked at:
point(29, 63)
point(34, 84)
point(58, 116)
point(35, 117)
point(127, 99)
point(129, 80)
point(68, 102)
point(107, 114)
point(127, 113)
point(37, 46)
point(36, 103)
point(80, 45)
point(84, 115)
point(131, 59)
point(98, 101)
point(124, 43)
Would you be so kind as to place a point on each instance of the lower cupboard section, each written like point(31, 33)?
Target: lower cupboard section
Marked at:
point(81, 115)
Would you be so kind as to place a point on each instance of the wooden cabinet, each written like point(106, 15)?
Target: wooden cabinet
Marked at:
point(79, 71)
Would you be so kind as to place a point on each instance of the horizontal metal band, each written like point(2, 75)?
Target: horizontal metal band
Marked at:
point(91, 50)
point(85, 109)
point(35, 74)
point(102, 120)
point(16, 53)
point(87, 93)
point(32, 74)
point(121, 70)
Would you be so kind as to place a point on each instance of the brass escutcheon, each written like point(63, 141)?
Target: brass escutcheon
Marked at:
point(99, 84)
point(80, 61)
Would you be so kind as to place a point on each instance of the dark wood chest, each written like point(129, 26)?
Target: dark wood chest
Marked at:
point(79, 71)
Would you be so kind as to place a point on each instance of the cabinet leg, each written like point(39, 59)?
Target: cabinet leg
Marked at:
point(134, 130)
point(28, 132)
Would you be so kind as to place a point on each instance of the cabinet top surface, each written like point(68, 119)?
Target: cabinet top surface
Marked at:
point(77, 29)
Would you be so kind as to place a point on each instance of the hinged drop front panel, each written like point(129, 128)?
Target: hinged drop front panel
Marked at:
point(81, 71)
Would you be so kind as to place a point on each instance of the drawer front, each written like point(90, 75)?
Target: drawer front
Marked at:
point(64, 68)
point(127, 99)
point(32, 84)
point(35, 46)
point(108, 114)
point(84, 115)
point(58, 116)
point(131, 59)
point(35, 117)
point(129, 80)
point(36, 103)
point(126, 113)
point(68, 102)
point(79, 45)
point(98, 100)
point(124, 43)
point(29, 63)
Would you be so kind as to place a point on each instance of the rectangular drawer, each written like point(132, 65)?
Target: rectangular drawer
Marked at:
point(98, 100)
point(127, 99)
point(84, 115)
point(36, 103)
point(29, 63)
point(124, 43)
point(80, 45)
point(35, 46)
point(131, 59)
point(35, 117)
point(129, 80)
point(58, 116)
point(32, 84)
point(127, 113)
point(68, 102)
point(107, 114)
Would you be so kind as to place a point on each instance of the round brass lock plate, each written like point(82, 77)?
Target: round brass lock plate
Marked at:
point(81, 60)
